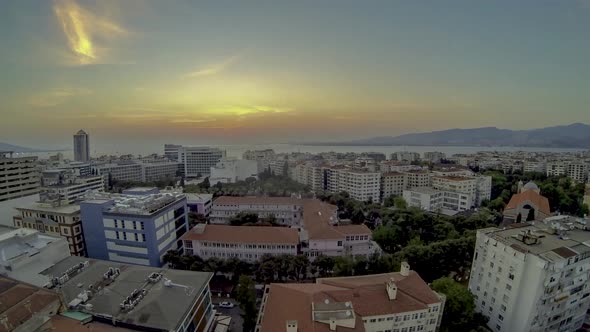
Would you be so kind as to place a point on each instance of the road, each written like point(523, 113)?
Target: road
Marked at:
point(235, 313)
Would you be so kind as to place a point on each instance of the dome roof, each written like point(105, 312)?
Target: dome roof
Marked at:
point(531, 186)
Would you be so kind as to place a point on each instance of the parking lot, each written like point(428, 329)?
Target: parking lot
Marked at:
point(235, 313)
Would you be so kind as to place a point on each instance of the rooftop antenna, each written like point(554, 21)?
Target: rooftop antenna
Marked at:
point(169, 283)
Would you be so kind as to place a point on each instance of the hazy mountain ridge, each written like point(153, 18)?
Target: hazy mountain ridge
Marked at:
point(576, 135)
point(14, 148)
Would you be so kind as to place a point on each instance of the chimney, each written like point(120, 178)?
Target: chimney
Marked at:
point(405, 269)
point(391, 289)
point(332, 324)
point(291, 326)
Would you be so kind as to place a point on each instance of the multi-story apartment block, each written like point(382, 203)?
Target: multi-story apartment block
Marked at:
point(81, 146)
point(533, 278)
point(137, 227)
point(433, 200)
point(158, 170)
point(398, 301)
point(532, 165)
point(65, 186)
point(121, 172)
point(262, 158)
point(320, 231)
point(248, 243)
point(197, 161)
point(361, 185)
point(55, 219)
point(397, 166)
point(287, 211)
point(434, 156)
point(310, 174)
point(457, 184)
point(415, 179)
point(578, 171)
point(556, 168)
point(392, 184)
point(18, 176)
point(405, 156)
point(171, 151)
point(133, 297)
point(232, 170)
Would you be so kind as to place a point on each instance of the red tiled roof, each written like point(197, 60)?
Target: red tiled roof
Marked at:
point(244, 234)
point(61, 323)
point(539, 202)
point(368, 295)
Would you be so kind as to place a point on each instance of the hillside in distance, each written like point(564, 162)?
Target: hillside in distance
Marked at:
point(576, 135)
point(14, 148)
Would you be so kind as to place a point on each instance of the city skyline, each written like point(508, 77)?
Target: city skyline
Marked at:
point(254, 73)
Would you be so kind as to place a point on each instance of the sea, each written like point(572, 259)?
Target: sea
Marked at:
point(237, 150)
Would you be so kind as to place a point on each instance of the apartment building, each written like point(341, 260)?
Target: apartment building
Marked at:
point(132, 297)
point(171, 151)
point(482, 186)
point(538, 166)
point(197, 161)
point(578, 171)
point(457, 184)
point(361, 185)
point(434, 200)
point(232, 170)
point(405, 156)
point(157, 170)
point(262, 158)
point(415, 179)
point(67, 187)
point(556, 168)
point(397, 302)
point(311, 174)
point(137, 227)
point(533, 278)
point(397, 166)
point(434, 156)
point(287, 211)
point(392, 184)
point(247, 243)
point(127, 171)
point(56, 219)
point(18, 176)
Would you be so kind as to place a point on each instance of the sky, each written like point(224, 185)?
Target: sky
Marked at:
point(232, 72)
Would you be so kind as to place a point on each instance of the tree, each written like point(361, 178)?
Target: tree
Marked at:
point(324, 265)
point(172, 258)
point(358, 216)
point(205, 184)
point(244, 218)
point(459, 314)
point(343, 266)
point(246, 297)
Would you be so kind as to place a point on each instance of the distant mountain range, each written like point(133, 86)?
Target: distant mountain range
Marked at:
point(16, 148)
point(576, 135)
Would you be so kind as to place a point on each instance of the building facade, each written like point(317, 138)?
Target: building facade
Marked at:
point(171, 151)
point(199, 203)
point(81, 146)
point(392, 184)
point(532, 278)
point(65, 186)
point(434, 200)
point(158, 170)
point(232, 170)
point(121, 172)
point(287, 211)
point(406, 156)
point(247, 243)
point(262, 158)
point(18, 176)
point(137, 227)
point(197, 161)
point(396, 302)
point(54, 219)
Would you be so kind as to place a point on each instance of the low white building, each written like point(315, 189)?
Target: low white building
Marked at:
point(287, 211)
point(533, 278)
point(433, 200)
point(262, 158)
point(397, 301)
point(247, 243)
point(232, 170)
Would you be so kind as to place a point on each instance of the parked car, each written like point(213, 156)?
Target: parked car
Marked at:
point(226, 304)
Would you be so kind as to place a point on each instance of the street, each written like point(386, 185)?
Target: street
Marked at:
point(235, 313)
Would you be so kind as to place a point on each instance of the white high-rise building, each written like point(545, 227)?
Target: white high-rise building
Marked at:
point(231, 170)
point(197, 161)
point(18, 176)
point(81, 146)
point(262, 157)
point(533, 278)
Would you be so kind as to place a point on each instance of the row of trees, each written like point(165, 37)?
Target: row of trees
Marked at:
point(563, 194)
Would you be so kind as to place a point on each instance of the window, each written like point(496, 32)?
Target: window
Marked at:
point(124, 235)
point(117, 235)
point(508, 287)
point(500, 317)
point(143, 237)
point(503, 307)
point(340, 243)
point(510, 276)
point(136, 237)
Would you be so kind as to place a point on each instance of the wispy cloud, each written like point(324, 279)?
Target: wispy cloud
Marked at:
point(214, 69)
point(56, 97)
point(88, 34)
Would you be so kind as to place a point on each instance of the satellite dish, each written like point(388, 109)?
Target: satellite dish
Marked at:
point(326, 301)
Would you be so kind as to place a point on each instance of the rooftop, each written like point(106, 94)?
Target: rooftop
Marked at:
point(194, 197)
point(23, 241)
point(243, 234)
point(540, 202)
point(134, 203)
point(20, 302)
point(364, 295)
point(545, 240)
point(108, 284)
point(424, 190)
point(453, 178)
point(46, 207)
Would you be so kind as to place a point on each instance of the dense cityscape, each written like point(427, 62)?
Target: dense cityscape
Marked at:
point(190, 239)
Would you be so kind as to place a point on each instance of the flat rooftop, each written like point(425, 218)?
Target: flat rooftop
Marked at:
point(162, 307)
point(424, 190)
point(134, 203)
point(43, 207)
point(549, 244)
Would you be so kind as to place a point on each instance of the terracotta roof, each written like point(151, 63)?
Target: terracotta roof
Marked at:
point(19, 302)
point(61, 323)
point(368, 295)
point(539, 202)
point(243, 234)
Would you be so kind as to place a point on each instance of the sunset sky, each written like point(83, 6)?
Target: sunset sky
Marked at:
point(282, 71)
